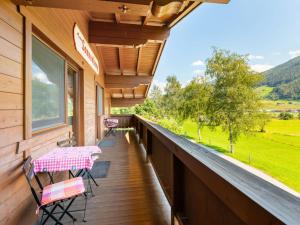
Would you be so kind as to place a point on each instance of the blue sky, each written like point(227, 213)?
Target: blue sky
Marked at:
point(268, 30)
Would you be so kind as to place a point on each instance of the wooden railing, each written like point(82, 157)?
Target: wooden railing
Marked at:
point(125, 121)
point(204, 188)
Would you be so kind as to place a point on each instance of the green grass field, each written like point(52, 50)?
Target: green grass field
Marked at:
point(276, 152)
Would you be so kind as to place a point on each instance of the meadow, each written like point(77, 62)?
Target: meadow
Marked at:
point(275, 152)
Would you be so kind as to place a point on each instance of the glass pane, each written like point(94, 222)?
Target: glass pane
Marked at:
point(47, 86)
point(100, 100)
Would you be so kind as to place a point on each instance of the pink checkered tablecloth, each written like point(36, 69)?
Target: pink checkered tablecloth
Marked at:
point(68, 158)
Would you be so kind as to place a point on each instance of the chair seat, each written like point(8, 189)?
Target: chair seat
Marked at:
point(62, 190)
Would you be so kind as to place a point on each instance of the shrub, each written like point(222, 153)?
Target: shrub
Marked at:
point(299, 115)
point(172, 125)
point(285, 116)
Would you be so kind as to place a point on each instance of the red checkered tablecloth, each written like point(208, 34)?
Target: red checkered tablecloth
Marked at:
point(68, 158)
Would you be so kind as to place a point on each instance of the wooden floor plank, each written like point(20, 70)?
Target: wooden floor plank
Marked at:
point(130, 194)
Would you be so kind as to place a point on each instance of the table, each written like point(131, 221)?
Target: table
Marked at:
point(66, 159)
point(110, 122)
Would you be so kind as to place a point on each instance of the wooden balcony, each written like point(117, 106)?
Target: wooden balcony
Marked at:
point(156, 177)
point(130, 194)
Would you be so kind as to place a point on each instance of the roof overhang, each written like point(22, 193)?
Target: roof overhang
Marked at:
point(129, 36)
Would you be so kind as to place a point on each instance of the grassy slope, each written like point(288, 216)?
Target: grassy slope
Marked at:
point(281, 104)
point(264, 91)
point(276, 152)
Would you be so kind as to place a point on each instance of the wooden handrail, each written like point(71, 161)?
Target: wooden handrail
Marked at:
point(204, 188)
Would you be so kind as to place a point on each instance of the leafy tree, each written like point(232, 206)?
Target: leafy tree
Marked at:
point(193, 105)
point(262, 120)
point(123, 110)
point(170, 98)
point(148, 109)
point(157, 96)
point(234, 102)
point(285, 116)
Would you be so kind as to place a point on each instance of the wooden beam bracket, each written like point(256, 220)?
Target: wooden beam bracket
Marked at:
point(126, 81)
point(125, 34)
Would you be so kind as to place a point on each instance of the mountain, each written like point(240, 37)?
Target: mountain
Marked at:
point(285, 80)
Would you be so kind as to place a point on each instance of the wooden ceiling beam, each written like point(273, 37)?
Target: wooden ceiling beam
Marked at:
point(125, 34)
point(161, 48)
point(146, 18)
point(138, 60)
point(117, 81)
point(117, 17)
point(120, 55)
point(135, 7)
point(126, 102)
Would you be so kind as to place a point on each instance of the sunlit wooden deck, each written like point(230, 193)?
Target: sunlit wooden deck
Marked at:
point(130, 194)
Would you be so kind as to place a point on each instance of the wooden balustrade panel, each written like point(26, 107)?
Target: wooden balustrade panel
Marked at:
point(161, 160)
point(201, 206)
point(144, 141)
point(141, 131)
point(125, 121)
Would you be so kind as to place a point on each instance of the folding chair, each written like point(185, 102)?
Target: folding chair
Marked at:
point(111, 124)
point(58, 195)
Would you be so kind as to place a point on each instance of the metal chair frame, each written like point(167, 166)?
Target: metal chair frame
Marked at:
point(110, 128)
point(49, 209)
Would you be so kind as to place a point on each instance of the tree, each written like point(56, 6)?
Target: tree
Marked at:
point(157, 96)
point(148, 109)
point(234, 104)
point(285, 116)
point(193, 105)
point(170, 98)
point(262, 120)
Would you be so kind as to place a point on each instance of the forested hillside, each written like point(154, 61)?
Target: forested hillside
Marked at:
point(285, 80)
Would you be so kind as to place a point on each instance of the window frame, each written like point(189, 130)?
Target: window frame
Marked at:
point(38, 35)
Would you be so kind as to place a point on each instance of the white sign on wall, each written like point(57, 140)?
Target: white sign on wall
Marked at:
point(82, 46)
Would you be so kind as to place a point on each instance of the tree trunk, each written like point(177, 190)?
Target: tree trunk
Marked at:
point(231, 147)
point(199, 133)
point(231, 140)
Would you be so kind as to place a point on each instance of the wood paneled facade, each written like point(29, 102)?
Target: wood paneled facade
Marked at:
point(57, 26)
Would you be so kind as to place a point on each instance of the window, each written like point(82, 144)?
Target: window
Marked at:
point(48, 86)
point(100, 100)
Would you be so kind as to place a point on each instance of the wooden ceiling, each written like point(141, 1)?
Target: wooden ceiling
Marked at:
point(130, 36)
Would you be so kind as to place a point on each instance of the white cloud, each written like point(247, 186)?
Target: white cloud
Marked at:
point(198, 63)
point(251, 57)
point(199, 72)
point(261, 67)
point(186, 83)
point(160, 84)
point(294, 53)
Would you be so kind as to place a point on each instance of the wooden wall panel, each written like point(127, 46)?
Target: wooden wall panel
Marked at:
point(16, 201)
point(11, 84)
point(11, 34)
point(10, 51)
point(11, 101)
point(11, 118)
point(10, 67)
point(12, 184)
